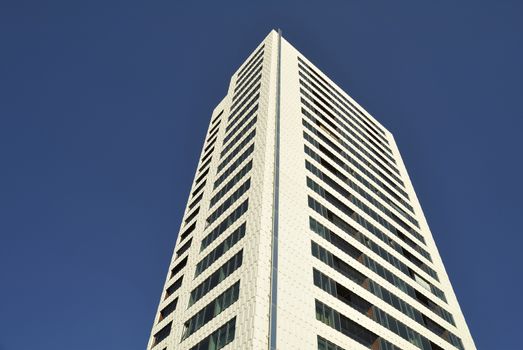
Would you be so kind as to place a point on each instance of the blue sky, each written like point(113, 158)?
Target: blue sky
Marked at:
point(103, 109)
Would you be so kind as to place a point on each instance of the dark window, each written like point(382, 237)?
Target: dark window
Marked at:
point(211, 310)
point(218, 276)
point(234, 165)
point(183, 248)
point(229, 201)
point(173, 287)
point(225, 189)
point(219, 338)
point(187, 232)
point(175, 270)
point(192, 216)
point(169, 309)
point(162, 333)
point(221, 249)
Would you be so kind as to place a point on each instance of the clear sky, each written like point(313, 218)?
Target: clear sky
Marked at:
point(103, 110)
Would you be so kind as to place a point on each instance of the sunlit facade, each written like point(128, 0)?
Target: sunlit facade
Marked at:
point(302, 229)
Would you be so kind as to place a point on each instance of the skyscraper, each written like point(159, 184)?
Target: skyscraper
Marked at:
point(302, 229)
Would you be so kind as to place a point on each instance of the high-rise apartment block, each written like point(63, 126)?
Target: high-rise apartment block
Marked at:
point(302, 229)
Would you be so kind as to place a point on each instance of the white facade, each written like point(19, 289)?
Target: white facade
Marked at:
point(316, 236)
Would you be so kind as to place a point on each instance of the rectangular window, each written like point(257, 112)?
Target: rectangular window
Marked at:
point(248, 64)
point(169, 309)
point(237, 138)
point(324, 344)
point(173, 287)
point(234, 165)
point(353, 330)
point(216, 278)
point(162, 333)
point(229, 202)
point(192, 216)
point(225, 224)
point(187, 232)
point(225, 189)
point(244, 118)
point(221, 249)
point(183, 248)
point(195, 201)
point(211, 310)
point(219, 338)
point(237, 150)
point(179, 267)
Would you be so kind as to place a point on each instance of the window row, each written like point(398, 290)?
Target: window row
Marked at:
point(360, 179)
point(352, 151)
point(162, 334)
point(237, 127)
point(342, 121)
point(187, 232)
point(370, 310)
point(168, 309)
point(364, 222)
point(353, 330)
point(229, 202)
point(324, 344)
point(342, 244)
point(364, 281)
point(378, 140)
point(219, 338)
point(211, 310)
point(234, 165)
point(220, 250)
point(229, 185)
point(352, 161)
point(248, 64)
point(235, 140)
point(254, 76)
point(225, 224)
point(214, 279)
point(237, 150)
point(375, 163)
point(344, 100)
point(342, 191)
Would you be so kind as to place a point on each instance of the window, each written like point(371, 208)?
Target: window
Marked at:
point(341, 323)
point(324, 344)
point(237, 150)
point(218, 276)
point(187, 232)
point(248, 64)
point(192, 215)
point(225, 224)
point(175, 270)
point(173, 287)
point(162, 333)
point(219, 338)
point(237, 137)
point(225, 189)
point(221, 249)
point(229, 202)
point(169, 309)
point(211, 310)
point(234, 165)
point(183, 248)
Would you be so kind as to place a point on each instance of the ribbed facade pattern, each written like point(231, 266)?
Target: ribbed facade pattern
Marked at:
point(302, 229)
